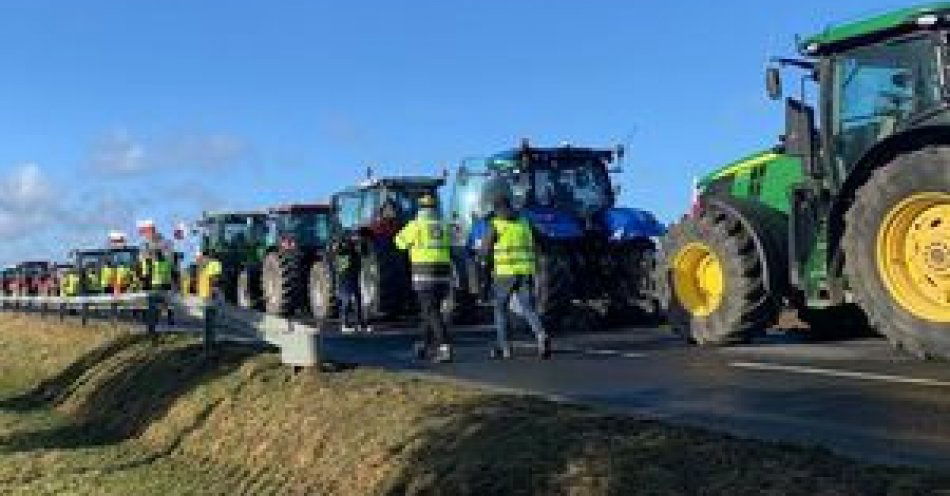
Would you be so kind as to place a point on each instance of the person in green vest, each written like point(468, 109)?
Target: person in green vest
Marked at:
point(428, 242)
point(107, 277)
point(510, 243)
point(161, 271)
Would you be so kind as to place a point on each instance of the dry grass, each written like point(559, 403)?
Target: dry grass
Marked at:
point(156, 418)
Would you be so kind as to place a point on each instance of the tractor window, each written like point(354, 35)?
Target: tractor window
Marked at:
point(309, 228)
point(124, 258)
point(348, 206)
point(579, 186)
point(878, 88)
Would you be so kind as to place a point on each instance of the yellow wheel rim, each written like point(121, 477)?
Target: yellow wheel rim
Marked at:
point(698, 279)
point(913, 255)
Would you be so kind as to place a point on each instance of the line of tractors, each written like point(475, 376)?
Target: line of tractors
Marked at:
point(846, 219)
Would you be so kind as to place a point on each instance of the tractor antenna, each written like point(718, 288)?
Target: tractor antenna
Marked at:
point(369, 172)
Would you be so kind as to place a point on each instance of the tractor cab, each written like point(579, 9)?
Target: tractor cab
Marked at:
point(382, 206)
point(877, 79)
point(564, 191)
point(232, 234)
point(88, 264)
point(299, 226)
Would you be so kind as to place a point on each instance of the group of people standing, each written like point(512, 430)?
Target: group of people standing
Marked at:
point(508, 242)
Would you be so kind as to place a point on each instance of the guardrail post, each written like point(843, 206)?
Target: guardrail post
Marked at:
point(209, 335)
point(115, 314)
point(151, 316)
point(84, 314)
point(62, 311)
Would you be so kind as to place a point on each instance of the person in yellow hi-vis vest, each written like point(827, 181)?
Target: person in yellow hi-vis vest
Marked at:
point(107, 277)
point(209, 270)
point(511, 243)
point(428, 242)
point(161, 271)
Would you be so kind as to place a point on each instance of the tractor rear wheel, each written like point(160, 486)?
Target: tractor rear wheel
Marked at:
point(282, 282)
point(321, 290)
point(712, 281)
point(554, 285)
point(897, 251)
point(384, 282)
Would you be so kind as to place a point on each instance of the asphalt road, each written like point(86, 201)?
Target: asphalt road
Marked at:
point(858, 397)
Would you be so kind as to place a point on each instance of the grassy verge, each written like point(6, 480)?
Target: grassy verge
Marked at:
point(117, 414)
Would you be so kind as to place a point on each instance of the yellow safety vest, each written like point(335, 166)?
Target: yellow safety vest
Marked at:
point(210, 270)
point(514, 247)
point(161, 273)
point(429, 243)
point(105, 277)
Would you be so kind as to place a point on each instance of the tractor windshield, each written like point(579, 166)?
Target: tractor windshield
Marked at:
point(878, 88)
point(123, 258)
point(236, 232)
point(579, 185)
point(308, 228)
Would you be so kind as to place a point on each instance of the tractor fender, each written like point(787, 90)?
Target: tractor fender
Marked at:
point(878, 156)
point(768, 229)
point(626, 224)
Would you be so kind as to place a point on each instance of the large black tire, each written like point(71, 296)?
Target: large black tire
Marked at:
point(925, 171)
point(249, 289)
point(745, 307)
point(385, 284)
point(630, 286)
point(283, 282)
point(320, 290)
point(554, 286)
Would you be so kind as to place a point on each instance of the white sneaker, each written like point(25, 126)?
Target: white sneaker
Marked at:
point(347, 330)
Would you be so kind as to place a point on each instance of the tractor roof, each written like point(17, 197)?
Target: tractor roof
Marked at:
point(33, 263)
point(231, 214)
point(896, 22)
point(300, 207)
point(403, 181)
point(510, 158)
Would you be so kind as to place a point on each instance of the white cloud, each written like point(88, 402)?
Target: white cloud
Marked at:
point(119, 153)
point(27, 201)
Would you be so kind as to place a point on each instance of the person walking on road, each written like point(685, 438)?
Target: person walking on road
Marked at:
point(510, 243)
point(428, 242)
point(348, 290)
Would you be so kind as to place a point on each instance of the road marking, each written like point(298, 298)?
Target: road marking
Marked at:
point(849, 374)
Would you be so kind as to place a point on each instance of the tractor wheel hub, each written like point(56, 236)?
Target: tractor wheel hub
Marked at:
point(913, 255)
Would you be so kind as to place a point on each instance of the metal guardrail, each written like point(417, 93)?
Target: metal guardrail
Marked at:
point(299, 344)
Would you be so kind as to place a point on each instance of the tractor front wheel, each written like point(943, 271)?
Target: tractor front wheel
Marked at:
point(897, 251)
point(248, 289)
point(321, 290)
point(282, 286)
point(712, 281)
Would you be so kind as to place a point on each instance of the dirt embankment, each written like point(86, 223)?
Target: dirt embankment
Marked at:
point(118, 413)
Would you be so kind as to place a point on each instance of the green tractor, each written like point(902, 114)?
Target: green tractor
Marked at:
point(373, 212)
point(851, 209)
point(295, 237)
point(236, 240)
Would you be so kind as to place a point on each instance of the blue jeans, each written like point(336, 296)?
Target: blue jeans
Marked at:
point(350, 302)
point(519, 288)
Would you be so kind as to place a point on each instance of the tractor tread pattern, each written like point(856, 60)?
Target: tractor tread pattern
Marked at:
point(746, 308)
point(925, 169)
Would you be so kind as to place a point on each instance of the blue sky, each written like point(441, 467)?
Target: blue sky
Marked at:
point(112, 111)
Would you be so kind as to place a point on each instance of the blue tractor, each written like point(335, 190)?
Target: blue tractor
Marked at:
point(594, 259)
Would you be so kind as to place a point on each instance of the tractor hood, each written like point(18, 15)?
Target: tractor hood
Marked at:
point(554, 223)
point(624, 224)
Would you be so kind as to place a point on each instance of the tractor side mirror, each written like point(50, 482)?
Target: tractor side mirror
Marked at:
point(773, 83)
